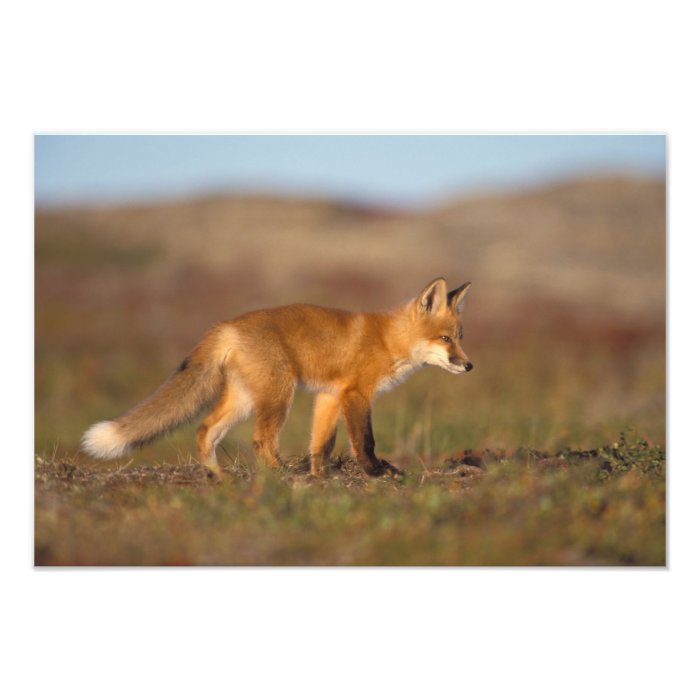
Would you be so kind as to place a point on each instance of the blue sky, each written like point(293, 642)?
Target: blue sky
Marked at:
point(383, 170)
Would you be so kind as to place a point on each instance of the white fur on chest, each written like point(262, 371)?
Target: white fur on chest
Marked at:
point(400, 372)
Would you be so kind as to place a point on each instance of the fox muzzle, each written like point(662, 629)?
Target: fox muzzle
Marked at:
point(465, 364)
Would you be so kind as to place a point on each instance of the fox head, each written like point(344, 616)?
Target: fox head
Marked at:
point(436, 328)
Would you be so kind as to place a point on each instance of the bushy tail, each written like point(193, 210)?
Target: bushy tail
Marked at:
point(193, 386)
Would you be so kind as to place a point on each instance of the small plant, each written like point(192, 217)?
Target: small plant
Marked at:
point(623, 456)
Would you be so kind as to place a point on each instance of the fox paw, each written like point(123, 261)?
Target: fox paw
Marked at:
point(391, 470)
point(213, 477)
point(384, 468)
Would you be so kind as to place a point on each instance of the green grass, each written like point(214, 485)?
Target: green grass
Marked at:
point(508, 401)
point(602, 507)
point(574, 398)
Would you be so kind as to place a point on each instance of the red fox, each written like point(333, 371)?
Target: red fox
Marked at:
point(255, 363)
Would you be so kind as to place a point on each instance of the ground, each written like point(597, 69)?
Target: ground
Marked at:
point(599, 507)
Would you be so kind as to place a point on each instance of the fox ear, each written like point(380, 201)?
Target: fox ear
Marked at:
point(433, 299)
point(455, 298)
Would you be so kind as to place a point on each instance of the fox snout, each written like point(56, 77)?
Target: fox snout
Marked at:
point(459, 362)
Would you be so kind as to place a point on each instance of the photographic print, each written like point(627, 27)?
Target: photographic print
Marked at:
point(350, 350)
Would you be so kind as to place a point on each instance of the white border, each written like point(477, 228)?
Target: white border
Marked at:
point(318, 67)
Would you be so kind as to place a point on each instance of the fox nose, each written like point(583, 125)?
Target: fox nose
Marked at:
point(468, 366)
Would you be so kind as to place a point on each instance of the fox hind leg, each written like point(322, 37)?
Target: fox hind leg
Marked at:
point(270, 415)
point(233, 406)
point(323, 431)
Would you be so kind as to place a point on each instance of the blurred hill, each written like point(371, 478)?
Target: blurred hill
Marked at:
point(597, 245)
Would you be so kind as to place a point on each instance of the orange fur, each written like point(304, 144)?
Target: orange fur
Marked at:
point(255, 362)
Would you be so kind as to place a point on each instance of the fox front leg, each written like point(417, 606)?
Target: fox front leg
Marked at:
point(358, 418)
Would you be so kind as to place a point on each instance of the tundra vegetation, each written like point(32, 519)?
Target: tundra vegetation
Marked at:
point(551, 452)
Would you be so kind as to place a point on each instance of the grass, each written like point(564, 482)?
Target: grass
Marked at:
point(530, 398)
point(586, 397)
point(599, 507)
point(518, 463)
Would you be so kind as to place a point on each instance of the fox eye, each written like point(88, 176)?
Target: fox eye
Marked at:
point(446, 338)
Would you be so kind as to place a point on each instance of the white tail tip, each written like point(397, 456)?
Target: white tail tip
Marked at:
point(103, 441)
